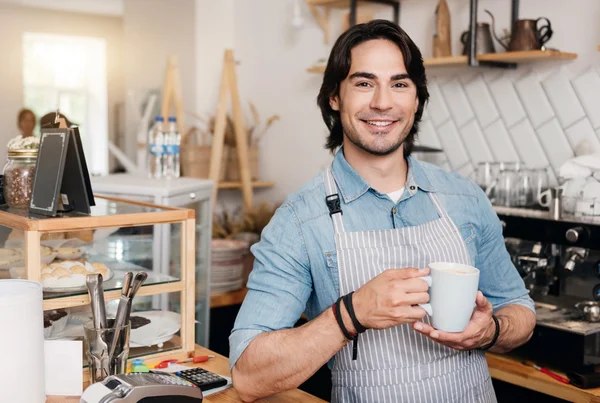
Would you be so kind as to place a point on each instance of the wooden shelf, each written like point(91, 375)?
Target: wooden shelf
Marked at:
point(446, 61)
point(508, 57)
point(319, 69)
point(343, 4)
point(219, 300)
point(531, 55)
point(238, 185)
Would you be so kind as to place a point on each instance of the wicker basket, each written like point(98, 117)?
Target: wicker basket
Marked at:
point(195, 158)
point(233, 168)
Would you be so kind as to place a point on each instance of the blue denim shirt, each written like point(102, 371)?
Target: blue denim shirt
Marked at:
point(295, 267)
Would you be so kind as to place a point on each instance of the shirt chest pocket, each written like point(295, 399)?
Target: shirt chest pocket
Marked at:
point(468, 234)
point(331, 262)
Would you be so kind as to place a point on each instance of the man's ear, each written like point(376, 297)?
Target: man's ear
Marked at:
point(334, 102)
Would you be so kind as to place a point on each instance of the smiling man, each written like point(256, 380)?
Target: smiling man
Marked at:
point(349, 247)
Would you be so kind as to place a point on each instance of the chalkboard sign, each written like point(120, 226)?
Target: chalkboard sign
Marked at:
point(59, 185)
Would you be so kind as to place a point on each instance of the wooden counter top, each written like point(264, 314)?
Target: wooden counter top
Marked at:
point(502, 367)
point(508, 369)
point(220, 365)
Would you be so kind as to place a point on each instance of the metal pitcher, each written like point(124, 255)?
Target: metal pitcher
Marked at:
point(485, 43)
point(526, 34)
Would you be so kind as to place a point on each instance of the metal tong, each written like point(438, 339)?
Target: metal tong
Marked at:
point(94, 285)
point(128, 291)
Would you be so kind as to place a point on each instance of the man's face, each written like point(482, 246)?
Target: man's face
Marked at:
point(377, 101)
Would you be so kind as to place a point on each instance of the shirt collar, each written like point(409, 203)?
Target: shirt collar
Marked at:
point(351, 185)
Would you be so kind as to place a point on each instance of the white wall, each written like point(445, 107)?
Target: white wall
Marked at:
point(215, 32)
point(16, 20)
point(552, 117)
point(153, 31)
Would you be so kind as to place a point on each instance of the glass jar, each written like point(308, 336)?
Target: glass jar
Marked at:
point(19, 172)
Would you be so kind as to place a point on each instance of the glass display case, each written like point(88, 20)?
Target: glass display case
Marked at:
point(186, 192)
point(60, 251)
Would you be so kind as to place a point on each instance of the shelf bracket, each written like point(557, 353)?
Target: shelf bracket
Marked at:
point(472, 53)
point(322, 20)
point(394, 3)
point(514, 15)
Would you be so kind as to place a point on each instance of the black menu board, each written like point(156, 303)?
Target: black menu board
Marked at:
point(59, 185)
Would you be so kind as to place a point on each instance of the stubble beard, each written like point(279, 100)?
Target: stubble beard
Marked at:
point(377, 151)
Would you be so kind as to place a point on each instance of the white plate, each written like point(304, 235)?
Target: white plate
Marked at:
point(74, 283)
point(162, 327)
point(44, 259)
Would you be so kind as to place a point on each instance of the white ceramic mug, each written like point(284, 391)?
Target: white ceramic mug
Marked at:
point(452, 293)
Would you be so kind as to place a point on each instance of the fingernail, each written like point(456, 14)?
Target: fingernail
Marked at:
point(418, 326)
point(435, 334)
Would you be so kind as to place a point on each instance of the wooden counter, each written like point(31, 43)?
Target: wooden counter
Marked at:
point(220, 365)
point(511, 370)
point(502, 367)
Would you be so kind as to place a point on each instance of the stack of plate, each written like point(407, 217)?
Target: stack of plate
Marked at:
point(227, 264)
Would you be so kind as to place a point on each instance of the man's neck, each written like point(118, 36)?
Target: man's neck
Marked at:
point(383, 173)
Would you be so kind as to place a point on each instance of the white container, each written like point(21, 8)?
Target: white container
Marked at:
point(22, 342)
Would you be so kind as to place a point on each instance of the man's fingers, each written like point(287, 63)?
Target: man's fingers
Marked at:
point(423, 328)
point(414, 312)
point(414, 298)
point(481, 300)
point(408, 272)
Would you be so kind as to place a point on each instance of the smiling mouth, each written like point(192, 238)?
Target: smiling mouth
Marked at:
point(379, 123)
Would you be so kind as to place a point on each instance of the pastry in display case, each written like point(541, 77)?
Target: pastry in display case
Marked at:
point(60, 252)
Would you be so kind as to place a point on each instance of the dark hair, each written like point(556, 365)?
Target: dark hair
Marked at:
point(22, 114)
point(48, 120)
point(338, 67)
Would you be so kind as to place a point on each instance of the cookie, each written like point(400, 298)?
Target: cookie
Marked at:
point(61, 272)
point(68, 253)
point(47, 269)
point(100, 268)
point(79, 269)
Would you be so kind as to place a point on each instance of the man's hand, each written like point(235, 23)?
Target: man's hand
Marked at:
point(388, 299)
point(479, 332)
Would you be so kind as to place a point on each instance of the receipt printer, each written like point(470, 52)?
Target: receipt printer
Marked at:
point(142, 388)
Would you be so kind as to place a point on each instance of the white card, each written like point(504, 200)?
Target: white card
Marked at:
point(64, 367)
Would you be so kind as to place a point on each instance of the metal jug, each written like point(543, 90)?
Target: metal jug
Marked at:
point(485, 43)
point(526, 34)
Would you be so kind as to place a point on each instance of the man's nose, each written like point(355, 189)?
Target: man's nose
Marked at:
point(382, 99)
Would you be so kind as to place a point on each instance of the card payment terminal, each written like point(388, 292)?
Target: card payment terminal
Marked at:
point(142, 388)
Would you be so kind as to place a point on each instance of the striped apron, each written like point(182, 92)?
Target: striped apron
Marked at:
point(399, 364)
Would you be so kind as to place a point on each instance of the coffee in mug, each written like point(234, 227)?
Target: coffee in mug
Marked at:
point(452, 294)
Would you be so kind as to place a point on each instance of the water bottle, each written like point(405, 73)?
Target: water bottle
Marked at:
point(156, 143)
point(172, 140)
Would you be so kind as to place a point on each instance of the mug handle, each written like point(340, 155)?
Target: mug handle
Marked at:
point(544, 198)
point(427, 307)
point(544, 32)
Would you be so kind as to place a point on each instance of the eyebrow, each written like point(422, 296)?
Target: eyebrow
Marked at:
point(371, 76)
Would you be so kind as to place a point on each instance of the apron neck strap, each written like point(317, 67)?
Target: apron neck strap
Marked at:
point(333, 201)
point(438, 206)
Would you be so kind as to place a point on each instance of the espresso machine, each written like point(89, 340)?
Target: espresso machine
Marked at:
point(559, 261)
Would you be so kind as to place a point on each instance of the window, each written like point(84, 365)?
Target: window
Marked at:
point(69, 73)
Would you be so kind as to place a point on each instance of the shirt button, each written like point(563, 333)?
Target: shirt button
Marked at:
point(412, 187)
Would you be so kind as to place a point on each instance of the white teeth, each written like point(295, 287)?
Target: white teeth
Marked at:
point(378, 123)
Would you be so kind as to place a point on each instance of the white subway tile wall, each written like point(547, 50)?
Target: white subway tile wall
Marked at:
point(542, 119)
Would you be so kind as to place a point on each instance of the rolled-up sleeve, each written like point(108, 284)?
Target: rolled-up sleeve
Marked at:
point(500, 281)
point(279, 284)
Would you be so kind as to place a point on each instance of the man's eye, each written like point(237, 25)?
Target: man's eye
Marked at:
point(400, 85)
point(363, 84)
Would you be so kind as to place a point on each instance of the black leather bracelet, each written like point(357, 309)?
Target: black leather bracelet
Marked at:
point(496, 335)
point(350, 308)
point(338, 317)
